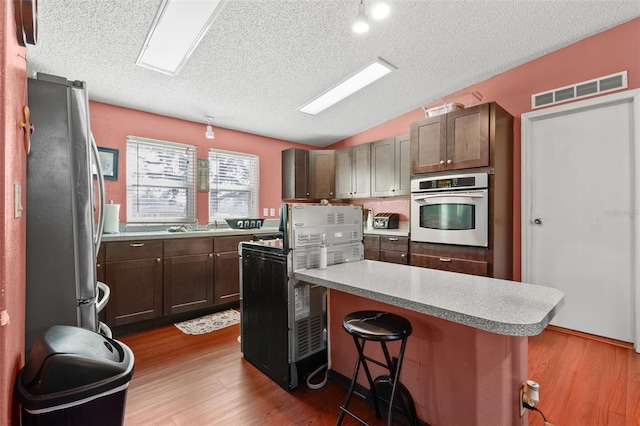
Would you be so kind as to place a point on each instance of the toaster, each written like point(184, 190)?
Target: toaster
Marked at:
point(386, 221)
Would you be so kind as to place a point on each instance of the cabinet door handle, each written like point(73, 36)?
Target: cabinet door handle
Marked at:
point(211, 255)
point(136, 245)
point(158, 260)
point(442, 162)
point(403, 255)
point(393, 239)
point(445, 259)
point(449, 161)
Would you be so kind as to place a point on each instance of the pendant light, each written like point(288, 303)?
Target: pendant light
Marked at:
point(209, 132)
point(361, 22)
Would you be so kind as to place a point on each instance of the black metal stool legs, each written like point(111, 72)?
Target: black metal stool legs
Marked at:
point(381, 327)
point(362, 360)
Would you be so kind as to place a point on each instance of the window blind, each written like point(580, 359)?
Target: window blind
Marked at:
point(233, 184)
point(160, 181)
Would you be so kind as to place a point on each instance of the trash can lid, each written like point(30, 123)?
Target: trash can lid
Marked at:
point(66, 357)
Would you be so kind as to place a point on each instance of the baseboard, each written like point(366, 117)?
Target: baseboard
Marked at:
point(614, 342)
point(359, 390)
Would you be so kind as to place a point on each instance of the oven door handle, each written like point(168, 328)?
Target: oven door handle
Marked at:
point(449, 195)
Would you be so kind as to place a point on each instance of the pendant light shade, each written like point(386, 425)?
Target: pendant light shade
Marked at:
point(361, 22)
point(209, 132)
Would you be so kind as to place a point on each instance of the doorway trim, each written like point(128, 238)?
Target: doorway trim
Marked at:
point(527, 120)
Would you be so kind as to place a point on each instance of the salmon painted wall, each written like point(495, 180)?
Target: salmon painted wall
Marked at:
point(609, 52)
point(13, 78)
point(457, 375)
point(112, 124)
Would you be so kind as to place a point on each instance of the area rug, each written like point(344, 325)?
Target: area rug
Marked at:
point(209, 323)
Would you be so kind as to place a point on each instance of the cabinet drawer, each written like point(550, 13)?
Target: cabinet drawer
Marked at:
point(394, 257)
point(132, 250)
point(186, 246)
point(394, 243)
point(470, 267)
point(222, 244)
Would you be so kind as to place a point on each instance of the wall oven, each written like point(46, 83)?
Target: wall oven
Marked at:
point(451, 209)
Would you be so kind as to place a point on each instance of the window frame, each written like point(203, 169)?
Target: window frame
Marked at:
point(253, 188)
point(189, 185)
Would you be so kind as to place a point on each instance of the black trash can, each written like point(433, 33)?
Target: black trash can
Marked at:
point(74, 377)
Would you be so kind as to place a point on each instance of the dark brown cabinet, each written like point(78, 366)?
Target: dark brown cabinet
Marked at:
point(479, 138)
point(322, 174)
point(134, 274)
point(453, 141)
point(371, 247)
point(188, 275)
point(386, 249)
point(466, 260)
point(308, 174)
point(295, 174)
point(227, 269)
point(353, 172)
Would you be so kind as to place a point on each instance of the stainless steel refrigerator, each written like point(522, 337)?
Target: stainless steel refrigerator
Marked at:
point(63, 234)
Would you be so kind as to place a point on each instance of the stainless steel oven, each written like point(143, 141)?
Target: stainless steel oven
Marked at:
point(451, 209)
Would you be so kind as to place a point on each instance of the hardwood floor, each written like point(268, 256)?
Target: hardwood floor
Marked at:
point(203, 380)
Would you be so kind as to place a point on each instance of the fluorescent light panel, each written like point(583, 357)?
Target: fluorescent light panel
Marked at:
point(177, 29)
point(378, 69)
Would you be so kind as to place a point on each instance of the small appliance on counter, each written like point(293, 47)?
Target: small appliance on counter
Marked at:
point(386, 221)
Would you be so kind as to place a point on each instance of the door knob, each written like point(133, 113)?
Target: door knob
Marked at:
point(537, 221)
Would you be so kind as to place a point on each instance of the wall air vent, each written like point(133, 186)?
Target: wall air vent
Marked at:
point(605, 84)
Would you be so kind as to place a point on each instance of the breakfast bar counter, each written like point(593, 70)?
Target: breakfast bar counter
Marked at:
point(467, 356)
point(498, 306)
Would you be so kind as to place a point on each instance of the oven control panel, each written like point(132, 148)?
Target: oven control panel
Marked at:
point(439, 183)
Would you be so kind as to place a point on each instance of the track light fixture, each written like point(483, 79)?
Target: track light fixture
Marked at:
point(209, 132)
point(379, 11)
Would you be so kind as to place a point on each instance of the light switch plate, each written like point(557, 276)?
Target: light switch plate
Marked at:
point(265, 211)
point(273, 212)
point(17, 200)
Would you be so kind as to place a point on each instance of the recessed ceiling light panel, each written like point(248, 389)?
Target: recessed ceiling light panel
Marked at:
point(378, 69)
point(177, 29)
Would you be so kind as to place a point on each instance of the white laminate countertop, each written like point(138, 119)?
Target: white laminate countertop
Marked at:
point(401, 231)
point(164, 235)
point(498, 306)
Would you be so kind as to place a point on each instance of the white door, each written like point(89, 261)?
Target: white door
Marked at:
point(579, 213)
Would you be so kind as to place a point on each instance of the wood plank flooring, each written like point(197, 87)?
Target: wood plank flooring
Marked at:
point(203, 380)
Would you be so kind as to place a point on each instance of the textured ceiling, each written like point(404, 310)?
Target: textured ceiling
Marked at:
point(262, 59)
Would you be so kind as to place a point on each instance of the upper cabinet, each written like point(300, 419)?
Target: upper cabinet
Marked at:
point(353, 172)
point(457, 140)
point(322, 173)
point(308, 174)
point(295, 174)
point(390, 166)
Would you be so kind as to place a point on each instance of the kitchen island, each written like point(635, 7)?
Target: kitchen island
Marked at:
point(467, 356)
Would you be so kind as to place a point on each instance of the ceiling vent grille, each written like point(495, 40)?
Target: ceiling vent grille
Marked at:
point(583, 89)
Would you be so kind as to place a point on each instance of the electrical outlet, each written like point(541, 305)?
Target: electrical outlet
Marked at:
point(265, 211)
point(273, 211)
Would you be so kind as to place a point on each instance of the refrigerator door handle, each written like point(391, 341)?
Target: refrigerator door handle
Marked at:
point(101, 197)
point(106, 292)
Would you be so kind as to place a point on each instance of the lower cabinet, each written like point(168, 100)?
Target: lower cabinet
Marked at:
point(188, 275)
point(133, 271)
point(466, 260)
point(155, 278)
point(227, 269)
point(386, 249)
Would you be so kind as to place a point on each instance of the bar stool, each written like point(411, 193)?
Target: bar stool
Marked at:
point(380, 327)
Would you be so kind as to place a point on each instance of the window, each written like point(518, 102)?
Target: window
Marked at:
point(160, 181)
point(233, 184)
